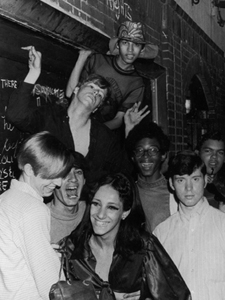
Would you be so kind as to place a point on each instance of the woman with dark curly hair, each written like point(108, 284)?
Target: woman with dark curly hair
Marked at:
point(111, 249)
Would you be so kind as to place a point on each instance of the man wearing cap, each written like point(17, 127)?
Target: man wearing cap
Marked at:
point(118, 68)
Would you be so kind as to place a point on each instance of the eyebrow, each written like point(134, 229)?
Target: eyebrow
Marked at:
point(207, 147)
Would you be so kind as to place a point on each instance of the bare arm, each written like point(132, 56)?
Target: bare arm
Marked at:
point(134, 116)
point(116, 122)
point(75, 75)
point(34, 65)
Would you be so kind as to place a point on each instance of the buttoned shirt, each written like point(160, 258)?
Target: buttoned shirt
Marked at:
point(196, 244)
point(28, 264)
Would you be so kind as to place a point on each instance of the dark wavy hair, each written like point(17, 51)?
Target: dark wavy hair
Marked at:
point(129, 236)
point(185, 163)
point(211, 135)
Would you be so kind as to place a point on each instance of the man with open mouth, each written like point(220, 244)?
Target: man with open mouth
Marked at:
point(68, 206)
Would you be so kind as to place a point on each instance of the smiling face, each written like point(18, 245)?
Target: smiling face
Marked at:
point(129, 52)
point(91, 95)
point(69, 193)
point(106, 212)
point(148, 165)
point(212, 153)
point(189, 188)
point(44, 187)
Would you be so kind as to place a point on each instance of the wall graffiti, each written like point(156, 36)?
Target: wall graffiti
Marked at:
point(121, 8)
point(10, 136)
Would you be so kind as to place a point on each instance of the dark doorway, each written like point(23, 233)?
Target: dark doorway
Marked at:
point(197, 111)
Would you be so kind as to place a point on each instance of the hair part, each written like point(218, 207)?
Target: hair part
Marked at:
point(48, 157)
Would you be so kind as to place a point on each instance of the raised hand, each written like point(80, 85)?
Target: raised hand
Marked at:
point(134, 116)
point(34, 64)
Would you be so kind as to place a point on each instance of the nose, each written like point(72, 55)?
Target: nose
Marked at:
point(130, 47)
point(189, 185)
point(96, 92)
point(101, 213)
point(146, 153)
point(214, 154)
point(57, 181)
point(74, 178)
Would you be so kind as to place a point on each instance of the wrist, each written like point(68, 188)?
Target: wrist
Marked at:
point(32, 76)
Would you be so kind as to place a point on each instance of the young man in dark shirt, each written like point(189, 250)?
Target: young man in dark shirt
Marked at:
point(127, 86)
point(147, 146)
point(212, 152)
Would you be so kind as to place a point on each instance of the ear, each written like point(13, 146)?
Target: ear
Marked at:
point(197, 151)
point(125, 214)
point(206, 181)
point(171, 184)
point(28, 170)
point(164, 156)
point(76, 90)
point(142, 50)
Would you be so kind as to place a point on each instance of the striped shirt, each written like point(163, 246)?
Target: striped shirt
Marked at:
point(196, 244)
point(28, 263)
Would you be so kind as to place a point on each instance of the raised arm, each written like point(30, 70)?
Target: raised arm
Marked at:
point(34, 65)
point(75, 75)
point(20, 106)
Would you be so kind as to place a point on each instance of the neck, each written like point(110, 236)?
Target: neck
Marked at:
point(152, 178)
point(101, 242)
point(190, 210)
point(63, 208)
point(124, 66)
point(78, 116)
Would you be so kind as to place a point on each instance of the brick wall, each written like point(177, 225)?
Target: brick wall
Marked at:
point(185, 50)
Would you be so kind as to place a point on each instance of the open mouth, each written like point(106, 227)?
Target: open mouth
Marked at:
point(146, 165)
point(130, 57)
point(72, 192)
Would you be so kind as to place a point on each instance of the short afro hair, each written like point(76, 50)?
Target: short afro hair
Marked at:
point(150, 130)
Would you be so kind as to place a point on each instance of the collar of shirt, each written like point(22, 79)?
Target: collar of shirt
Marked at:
point(148, 185)
point(199, 212)
point(25, 187)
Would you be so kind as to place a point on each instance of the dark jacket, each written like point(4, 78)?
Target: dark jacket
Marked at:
point(150, 270)
point(104, 153)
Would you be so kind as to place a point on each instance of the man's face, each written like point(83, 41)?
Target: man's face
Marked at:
point(189, 188)
point(69, 192)
point(91, 95)
point(44, 187)
point(212, 153)
point(148, 159)
point(129, 52)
